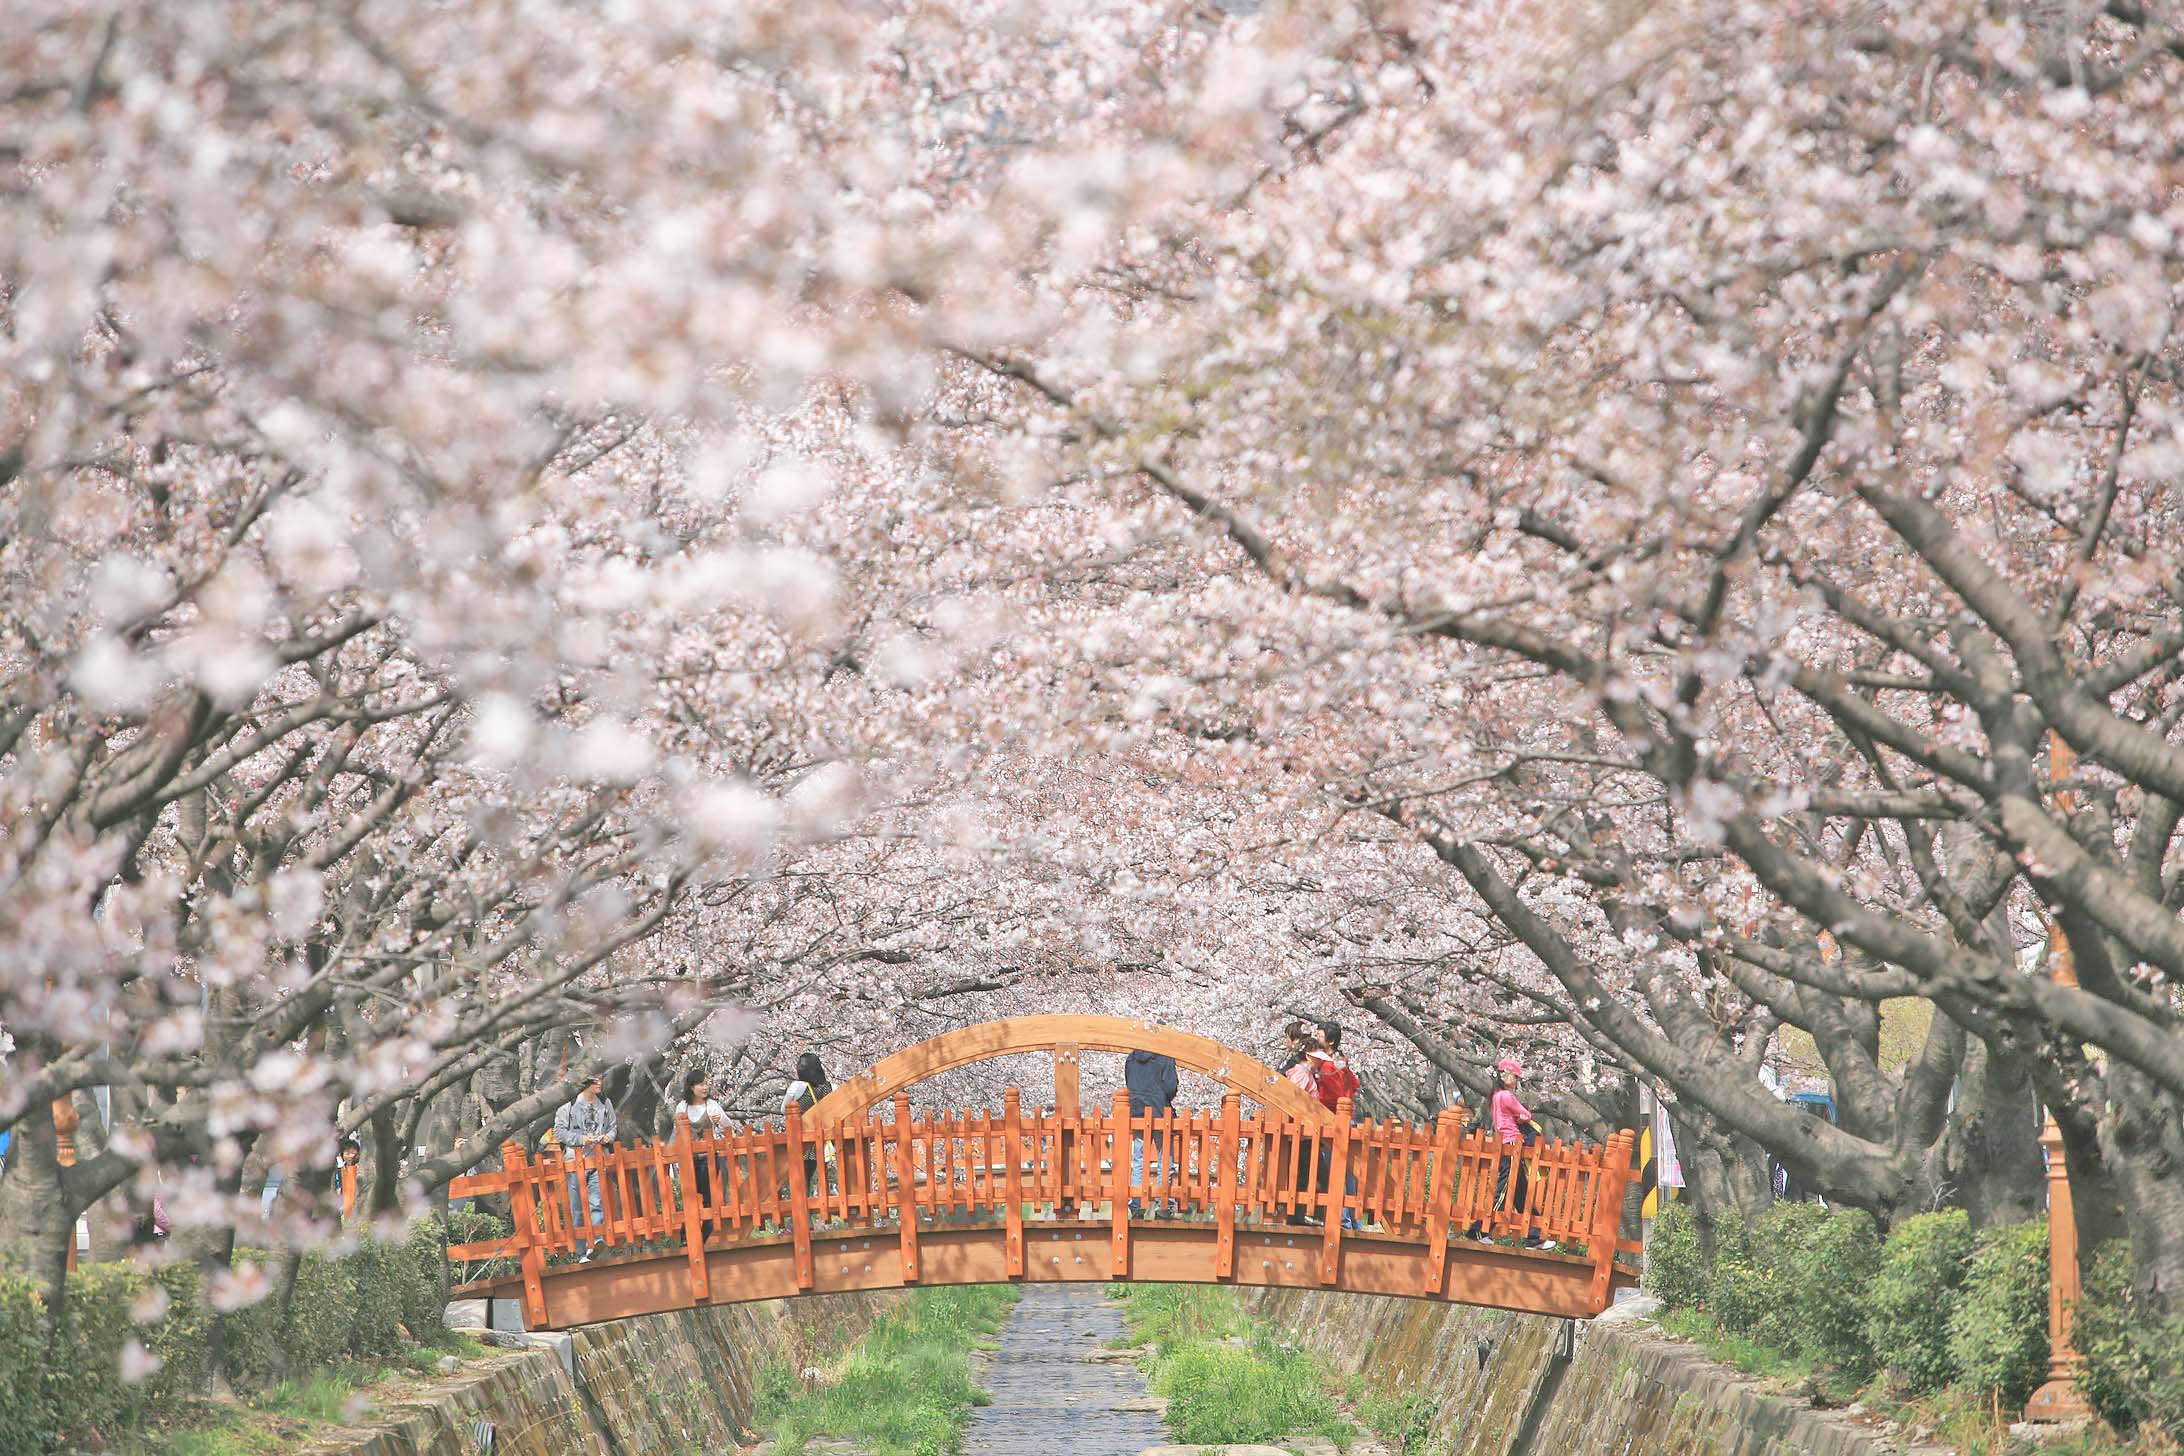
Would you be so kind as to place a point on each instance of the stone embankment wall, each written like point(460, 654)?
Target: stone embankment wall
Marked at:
point(676, 1384)
point(1525, 1385)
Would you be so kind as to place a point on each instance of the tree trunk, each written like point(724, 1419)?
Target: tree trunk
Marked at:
point(1988, 1159)
point(34, 1211)
point(213, 1251)
point(382, 1170)
point(2144, 1146)
point(1725, 1177)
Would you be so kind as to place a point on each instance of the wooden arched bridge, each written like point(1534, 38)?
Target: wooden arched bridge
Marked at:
point(1016, 1195)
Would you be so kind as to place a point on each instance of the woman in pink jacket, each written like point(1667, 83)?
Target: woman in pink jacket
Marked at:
point(1513, 1128)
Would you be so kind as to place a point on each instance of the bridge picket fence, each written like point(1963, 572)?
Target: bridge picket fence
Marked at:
point(909, 1175)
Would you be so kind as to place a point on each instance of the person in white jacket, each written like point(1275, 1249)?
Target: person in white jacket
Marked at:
point(708, 1119)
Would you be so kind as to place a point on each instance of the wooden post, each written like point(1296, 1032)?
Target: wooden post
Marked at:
point(1068, 1108)
point(1227, 1186)
point(1118, 1184)
point(1012, 1177)
point(906, 1194)
point(1447, 1129)
point(1066, 1093)
point(1607, 1221)
point(1338, 1174)
point(66, 1119)
point(521, 1193)
point(2058, 1399)
point(693, 1214)
point(799, 1197)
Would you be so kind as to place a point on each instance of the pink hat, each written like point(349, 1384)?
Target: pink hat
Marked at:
point(1510, 1064)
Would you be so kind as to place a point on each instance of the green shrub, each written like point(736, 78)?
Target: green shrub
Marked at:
point(24, 1412)
point(1675, 1267)
point(320, 1313)
point(1778, 1253)
point(180, 1338)
point(1736, 1287)
point(376, 1272)
point(476, 1226)
point(1914, 1297)
point(83, 1373)
point(356, 1305)
point(252, 1352)
point(424, 1279)
point(1820, 1288)
point(2134, 1365)
point(1998, 1339)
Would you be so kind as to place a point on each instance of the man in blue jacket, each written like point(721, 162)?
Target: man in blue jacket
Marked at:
point(1150, 1078)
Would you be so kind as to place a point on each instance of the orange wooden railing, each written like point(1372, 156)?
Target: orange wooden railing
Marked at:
point(1433, 1183)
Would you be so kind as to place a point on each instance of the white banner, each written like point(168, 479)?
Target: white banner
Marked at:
point(1667, 1169)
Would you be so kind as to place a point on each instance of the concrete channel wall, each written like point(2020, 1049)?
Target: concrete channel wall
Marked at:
point(1524, 1385)
point(1495, 1384)
point(676, 1384)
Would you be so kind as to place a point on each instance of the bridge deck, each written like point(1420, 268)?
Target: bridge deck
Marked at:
point(617, 1286)
point(986, 1198)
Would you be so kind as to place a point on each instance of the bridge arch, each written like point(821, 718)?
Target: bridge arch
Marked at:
point(1066, 1036)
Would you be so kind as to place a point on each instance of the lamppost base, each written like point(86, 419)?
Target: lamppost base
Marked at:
point(2056, 1402)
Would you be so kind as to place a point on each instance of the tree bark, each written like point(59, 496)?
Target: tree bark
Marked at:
point(35, 1215)
point(2143, 1143)
point(1988, 1159)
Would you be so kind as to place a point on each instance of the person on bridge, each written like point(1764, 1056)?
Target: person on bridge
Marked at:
point(579, 1126)
point(1150, 1080)
point(1335, 1081)
point(707, 1119)
point(808, 1090)
point(1299, 1070)
point(1516, 1130)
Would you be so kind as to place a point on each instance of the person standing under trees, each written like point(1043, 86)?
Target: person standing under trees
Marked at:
point(1516, 1130)
point(586, 1123)
point(1299, 1070)
point(806, 1092)
point(1150, 1079)
point(1336, 1081)
point(707, 1119)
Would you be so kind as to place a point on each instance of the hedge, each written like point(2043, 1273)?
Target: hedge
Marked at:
point(23, 1405)
point(2134, 1367)
point(1736, 1291)
point(1675, 1265)
point(1819, 1288)
point(1913, 1298)
point(75, 1388)
point(357, 1305)
point(1999, 1338)
point(1933, 1306)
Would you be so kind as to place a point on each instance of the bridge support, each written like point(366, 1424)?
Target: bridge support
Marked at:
point(1447, 1130)
point(1125, 1129)
point(906, 1198)
point(1012, 1175)
point(1227, 1170)
point(1338, 1175)
point(523, 1211)
point(693, 1208)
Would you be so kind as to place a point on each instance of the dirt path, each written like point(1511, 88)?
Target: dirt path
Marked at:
point(1059, 1386)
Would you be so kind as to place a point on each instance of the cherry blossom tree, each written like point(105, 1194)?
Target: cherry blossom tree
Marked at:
point(1733, 467)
